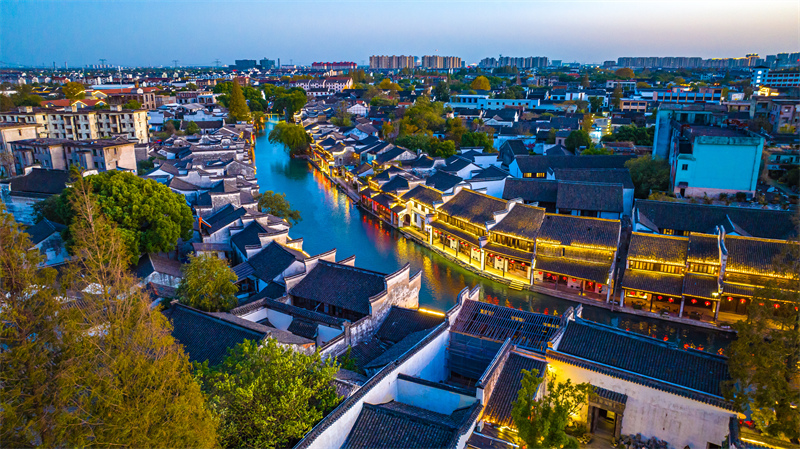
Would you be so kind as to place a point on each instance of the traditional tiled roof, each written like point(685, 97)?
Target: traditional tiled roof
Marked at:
point(397, 183)
point(223, 217)
point(704, 218)
point(456, 232)
point(394, 351)
point(341, 285)
point(273, 260)
point(506, 389)
point(596, 175)
point(658, 248)
point(442, 181)
point(424, 195)
point(703, 286)
point(472, 207)
point(610, 395)
point(43, 230)
point(39, 182)
point(644, 360)
point(205, 337)
point(703, 248)
point(248, 236)
point(531, 190)
point(152, 263)
point(525, 329)
point(394, 425)
point(758, 256)
point(522, 221)
point(303, 328)
point(592, 271)
point(589, 196)
point(288, 309)
point(456, 163)
point(490, 173)
point(541, 164)
point(401, 322)
point(387, 174)
point(654, 282)
point(572, 230)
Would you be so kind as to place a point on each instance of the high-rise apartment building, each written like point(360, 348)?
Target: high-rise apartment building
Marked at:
point(441, 62)
point(531, 62)
point(391, 62)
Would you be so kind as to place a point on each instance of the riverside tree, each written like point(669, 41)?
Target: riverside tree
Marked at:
point(267, 395)
point(150, 217)
point(294, 137)
point(208, 284)
point(276, 204)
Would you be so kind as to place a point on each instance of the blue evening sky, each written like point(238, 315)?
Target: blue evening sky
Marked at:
point(145, 32)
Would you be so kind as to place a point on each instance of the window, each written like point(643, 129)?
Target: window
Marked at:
point(684, 167)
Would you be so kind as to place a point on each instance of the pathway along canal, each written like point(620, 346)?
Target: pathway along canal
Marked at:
point(331, 220)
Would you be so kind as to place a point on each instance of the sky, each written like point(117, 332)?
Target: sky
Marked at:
point(198, 32)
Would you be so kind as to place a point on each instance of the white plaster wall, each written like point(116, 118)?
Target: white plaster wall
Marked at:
point(279, 320)
point(386, 390)
point(430, 398)
point(326, 333)
point(676, 419)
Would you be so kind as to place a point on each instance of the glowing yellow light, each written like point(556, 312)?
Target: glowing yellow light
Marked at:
point(431, 312)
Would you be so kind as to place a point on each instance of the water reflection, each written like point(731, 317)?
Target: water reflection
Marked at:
point(331, 220)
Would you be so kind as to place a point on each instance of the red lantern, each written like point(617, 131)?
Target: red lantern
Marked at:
point(729, 298)
point(670, 300)
point(564, 278)
point(777, 306)
point(742, 301)
point(761, 304)
point(574, 280)
point(694, 301)
point(708, 303)
point(540, 273)
point(659, 297)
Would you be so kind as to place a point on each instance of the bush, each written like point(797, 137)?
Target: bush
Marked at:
point(741, 197)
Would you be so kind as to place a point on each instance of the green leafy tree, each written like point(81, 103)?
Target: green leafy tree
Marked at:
point(342, 117)
point(238, 111)
point(632, 133)
point(267, 395)
point(648, 174)
point(290, 102)
point(424, 117)
point(387, 129)
point(588, 122)
point(597, 151)
point(578, 139)
point(415, 142)
point(192, 128)
point(442, 91)
point(455, 130)
point(616, 97)
point(150, 217)
point(74, 91)
point(277, 205)
point(480, 83)
point(208, 284)
point(542, 422)
point(551, 136)
point(478, 139)
point(442, 148)
point(6, 103)
point(223, 88)
point(191, 86)
point(132, 104)
point(764, 360)
point(585, 83)
point(294, 137)
point(596, 103)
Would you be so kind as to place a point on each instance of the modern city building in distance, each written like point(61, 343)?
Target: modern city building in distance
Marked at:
point(344, 65)
point(441, 62)
point(531, 62)
point(764, 76)
point(267, 64)
point(391, 62)
point(683, 62)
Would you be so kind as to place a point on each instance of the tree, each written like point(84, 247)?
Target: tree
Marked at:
point(648, 174)
point(764, 360)
point(596, 103)
point(642, 85)
point(132, 104)
point(542, 422)
point(294, 137)
point(480, 83)
point(442, 148)
point(455, 130)
point(191, 86)
point(290, 102)
point(73, 90)
point(150, 217)
point(616, 97)
point(578, 139)
point(415, 142)
point(192, 128)
point(208, 284)
point(597, 151)
point(6, 103)
point(551, 136)
point(277, 205)
point(238, 111)
point(588, 122)
point(478, 139)
point(624, 73)
point(632, 133)
point(387, 129)
point(342, 117)
point(267, 395)
point(585, 83)
point(442, 91)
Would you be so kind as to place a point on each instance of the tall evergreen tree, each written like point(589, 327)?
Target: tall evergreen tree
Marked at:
point(237, 107)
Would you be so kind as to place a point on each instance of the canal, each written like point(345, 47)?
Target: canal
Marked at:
point(331, 220)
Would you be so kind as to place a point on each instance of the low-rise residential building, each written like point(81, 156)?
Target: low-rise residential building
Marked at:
point(77, 124)
point(61, 154)
point(12, 132)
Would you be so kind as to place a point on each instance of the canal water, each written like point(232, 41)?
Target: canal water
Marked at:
point(331, 220)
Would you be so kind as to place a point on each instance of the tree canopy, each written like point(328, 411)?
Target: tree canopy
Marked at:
point(578, 139)
point(480, 83)
point(294, 137)
point(208, 284)
point(542, 422)
point(624, 73)
point(238, 111)
point(277, 205)
point(150, 217)
point(132, 104)
point(648, 174)
point(632, 133)
point(267, 395)
point(192, 128)
point(73, 90)
point(478, 139)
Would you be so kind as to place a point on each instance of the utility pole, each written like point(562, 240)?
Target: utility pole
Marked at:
point(216, 62)
point(175, 63)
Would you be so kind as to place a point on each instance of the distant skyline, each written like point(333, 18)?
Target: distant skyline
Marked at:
point(154, 33)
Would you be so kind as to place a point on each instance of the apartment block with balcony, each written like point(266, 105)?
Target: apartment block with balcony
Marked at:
point(61, 154)
point(81, 124)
